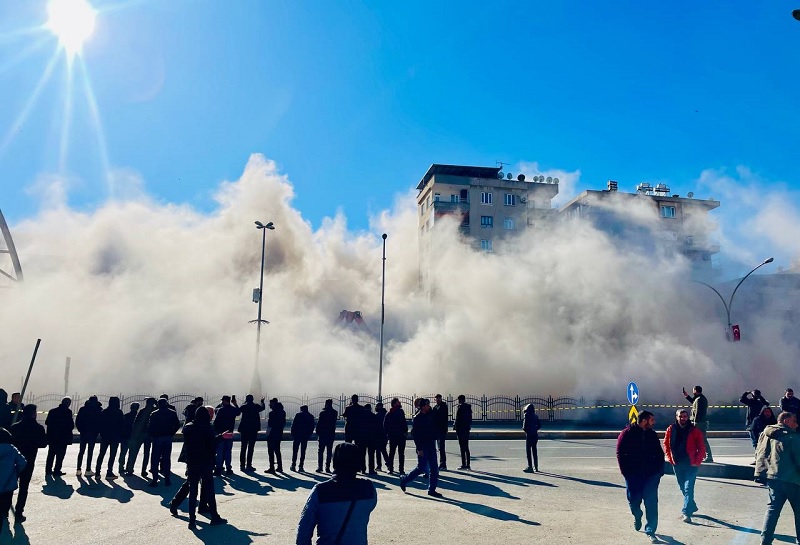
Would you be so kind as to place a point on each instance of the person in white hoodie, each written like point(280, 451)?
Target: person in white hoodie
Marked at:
point(11, 465)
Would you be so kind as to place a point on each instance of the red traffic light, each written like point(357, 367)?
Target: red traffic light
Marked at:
point(737, 334)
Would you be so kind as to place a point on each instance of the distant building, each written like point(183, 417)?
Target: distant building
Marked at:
point(683, 227)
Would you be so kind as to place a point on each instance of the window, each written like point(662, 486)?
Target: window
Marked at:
point(487, 221)
point(453, 198)
point(667, 211)
point(486, 197)
point(436, 197)
point(486, 245)
point(464, 195)
point(508, 223)
point(510, 199)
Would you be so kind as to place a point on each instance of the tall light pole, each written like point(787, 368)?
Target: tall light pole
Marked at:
point(383, 315)
point(255, 383)
point(729, 303)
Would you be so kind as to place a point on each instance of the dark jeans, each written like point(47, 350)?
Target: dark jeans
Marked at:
point(205, 479)
point(363, 446)
point(397, 443)
point(686, 475)
point(5, 505)
point(779, 492)
point(463, 445)
point(440, 441)
point(134, 446)
point(325, 444)
point(161, 458)
point(103, 447)
point(303, 445)
point(55, 453)
point(183, 493)
point(86, 442)
point(753, 436)
point(427, 460)
point(248, 445)
point(531, 443)
point(224, 453)
point(644, 489)
point(24, 482)
point(274, 450)
point(123, 450)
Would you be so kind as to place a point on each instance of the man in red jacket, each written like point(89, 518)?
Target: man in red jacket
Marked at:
point(685, 450)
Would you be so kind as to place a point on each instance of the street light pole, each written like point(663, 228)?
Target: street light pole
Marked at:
point(383, 315)
point(729, 304)
point(255, 383)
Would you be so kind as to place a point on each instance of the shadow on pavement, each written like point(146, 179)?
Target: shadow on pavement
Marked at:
point(485, 510)
point(56, 487)
point(252, 484)
point(19, 536)
point(225, 533)
point(669, 540)
point(505, 479)
point(465, 486)
point(97, 488)
point(746, 485)
point(724, 524)
point(583, 481)
point(285, 481)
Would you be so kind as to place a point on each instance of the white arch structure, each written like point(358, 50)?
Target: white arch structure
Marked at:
point(9, 249)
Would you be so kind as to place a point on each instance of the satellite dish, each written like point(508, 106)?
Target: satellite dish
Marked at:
point(500, 175)
point(555, 180)
point(549, 180)
point(509, 175)
point(690, 195)
point(521, 177)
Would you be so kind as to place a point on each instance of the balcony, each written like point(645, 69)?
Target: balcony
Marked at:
point(447, 207)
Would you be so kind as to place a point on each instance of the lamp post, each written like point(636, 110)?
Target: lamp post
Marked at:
point(729, 303)
point(255, 383)
point(383, 314)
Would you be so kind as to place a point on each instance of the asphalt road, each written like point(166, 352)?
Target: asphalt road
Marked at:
point(579, 498)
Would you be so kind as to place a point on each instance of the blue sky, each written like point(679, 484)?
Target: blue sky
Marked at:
point(355, 100)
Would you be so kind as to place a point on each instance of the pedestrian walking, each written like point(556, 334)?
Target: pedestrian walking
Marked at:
point(699, 416)
point(12, 464)
point(162, 426)
point(111, 423)
point(249, 426)
point(683, 444)
point(441, 422)
point(127, 431)
point(28, 436)
point(641, 462)
point(59, 436)
point(531, 425)
point(396, 428)
point(424, 433)
point(224, 424)
point(326, 432)
point(88, 424)
point(778, 466)
point(339, 508)
point(301, 430)
point(140, 436)
point(789, 403)
point(462, 426)
point(276, 421)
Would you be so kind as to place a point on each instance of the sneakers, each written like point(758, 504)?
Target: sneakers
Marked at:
point(528, 469)
point(250, 468)
point(271, 471)
point(173, 509)
point(653, 538)
point(89, 473)
point(77, 473)
point(435, 494)
point(637, 523)
point(402, 486)
point(301, 469)
point(293, 468)
point(686, 518)
point(110, 476)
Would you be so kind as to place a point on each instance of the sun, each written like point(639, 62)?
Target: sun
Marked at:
point(72, 22)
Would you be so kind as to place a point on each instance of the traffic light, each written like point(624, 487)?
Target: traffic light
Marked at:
point(737, 334)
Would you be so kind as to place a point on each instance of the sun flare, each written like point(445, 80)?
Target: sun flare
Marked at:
point(72, 22)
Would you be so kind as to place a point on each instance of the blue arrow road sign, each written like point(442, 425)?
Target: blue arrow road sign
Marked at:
point(633, 393)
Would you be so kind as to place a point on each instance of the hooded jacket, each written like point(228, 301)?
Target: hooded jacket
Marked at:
point(395, 424)
point(530, 422)
point(142, 419)
point(11, 463)
point(59, 426)
point(303, 424)
point(762, 421)
point(754, 406)
point(112, 421)
point(88, 419)
point(28, 436)
point(695, 446)
point(778, 454)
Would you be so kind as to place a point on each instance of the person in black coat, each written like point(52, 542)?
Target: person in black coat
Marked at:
point(59, 436)
point(199, 453)
point(441, 420)
point(351, 415)
point(326, 433)
point(396, 428)
point(249, 426)
point(127, 431)
point(111, 423)
point(88, 424)
point(140, 436)
point(302, 428)
point(462, 426)
point(531, 425)
point(373, 434)
point(276, 421)
point(162, 426)
point(191, 409)
point(755, 402)
point(380, 437)
point(224, 424)
point(5, 410)
point(28, 436)
point(15, 407)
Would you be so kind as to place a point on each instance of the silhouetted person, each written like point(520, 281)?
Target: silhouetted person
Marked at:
point(5, 410)
point(249, 426)
point(380, 437)
point(339, 509)
point(28, 436)
point(302, 428)
point(369, 437)
point(531, 425)
point(424, 433)
point(183, 491)
point(15, 406)
point(351, 416)
point(59, 436)
point(12, 463)
point(191, 409)
point(699, 416)
point(396, 428)
point(200, 453)
point(224, 424)
point(127, 430)
point(326, 433)
point(462, 426)
point(276, 421)
point(88, 424)
point(441, 421)
point(140, 436)
point(162, 426)
point(111, 423)
point(755, 402)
